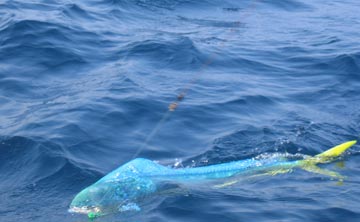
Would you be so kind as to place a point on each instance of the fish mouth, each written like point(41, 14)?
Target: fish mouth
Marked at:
point(84, 210)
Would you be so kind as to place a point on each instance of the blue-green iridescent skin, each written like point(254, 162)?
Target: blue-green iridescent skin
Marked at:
point(126, 188)
point(139, 179)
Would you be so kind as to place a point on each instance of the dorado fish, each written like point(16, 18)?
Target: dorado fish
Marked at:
point(125, 188)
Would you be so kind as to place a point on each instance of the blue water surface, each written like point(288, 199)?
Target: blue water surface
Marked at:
point(84, 84)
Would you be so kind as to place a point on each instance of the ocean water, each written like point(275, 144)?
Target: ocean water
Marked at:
point(85, 86)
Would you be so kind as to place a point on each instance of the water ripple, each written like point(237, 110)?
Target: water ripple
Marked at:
point(82, 85)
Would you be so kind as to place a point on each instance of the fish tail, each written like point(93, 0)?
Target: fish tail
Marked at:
point(332, 153)
point(328, 156)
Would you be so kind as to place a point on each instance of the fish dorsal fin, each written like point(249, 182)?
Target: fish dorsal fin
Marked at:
point(136, 168)
point(145, 166)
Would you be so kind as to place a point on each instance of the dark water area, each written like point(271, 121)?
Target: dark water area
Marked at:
point(84, 83)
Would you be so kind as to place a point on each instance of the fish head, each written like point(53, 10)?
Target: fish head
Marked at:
point(99, 197)
point(88, 201)
point(110, 195)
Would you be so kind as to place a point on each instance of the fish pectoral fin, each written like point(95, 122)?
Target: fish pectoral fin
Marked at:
point(167, 188)
point(315, 169)
point(94, 215)
point(129, 207)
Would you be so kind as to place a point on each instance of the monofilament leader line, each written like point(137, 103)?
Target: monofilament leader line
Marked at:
point(180, 97)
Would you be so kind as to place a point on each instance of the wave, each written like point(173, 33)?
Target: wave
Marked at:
point(29, 162)
point(82, 84)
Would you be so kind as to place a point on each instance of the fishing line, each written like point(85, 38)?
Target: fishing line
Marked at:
point(152, 133)
point(180, 97)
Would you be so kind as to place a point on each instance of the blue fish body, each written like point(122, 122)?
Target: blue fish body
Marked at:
point(126, 187)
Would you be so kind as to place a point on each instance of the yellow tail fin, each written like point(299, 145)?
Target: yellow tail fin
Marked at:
point(337, 150)
point(329, 155)
point(334, 152)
